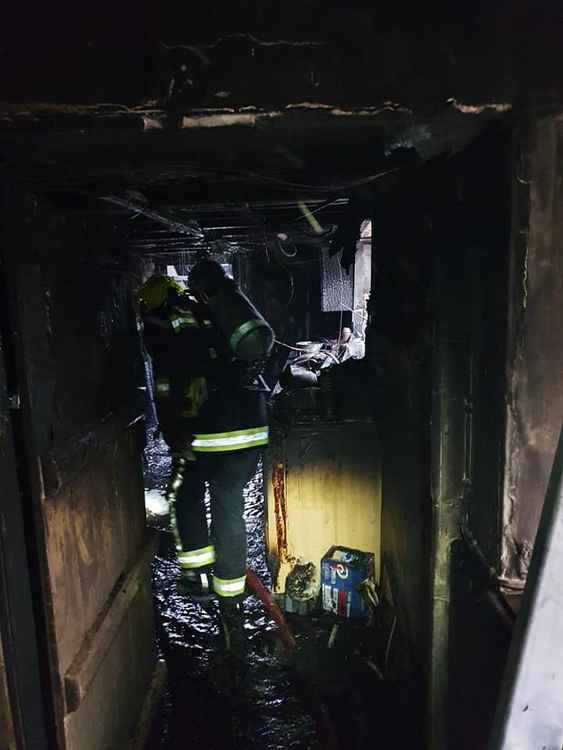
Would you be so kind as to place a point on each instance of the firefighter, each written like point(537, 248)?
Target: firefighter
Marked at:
point(212, 349)
point(162, 320)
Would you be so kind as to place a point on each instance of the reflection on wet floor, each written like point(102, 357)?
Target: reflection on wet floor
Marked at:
point(315, 699)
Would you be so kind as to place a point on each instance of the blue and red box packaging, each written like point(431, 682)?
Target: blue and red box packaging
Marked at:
point(342, 570)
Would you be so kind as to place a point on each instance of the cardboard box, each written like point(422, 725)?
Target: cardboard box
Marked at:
point(342, 570)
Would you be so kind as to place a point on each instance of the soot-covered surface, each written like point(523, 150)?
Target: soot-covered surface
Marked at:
point(315, 699)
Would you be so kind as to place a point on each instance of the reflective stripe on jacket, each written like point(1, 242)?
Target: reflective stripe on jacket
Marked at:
point(220, 442)
point(180, 319)
point(162, 387)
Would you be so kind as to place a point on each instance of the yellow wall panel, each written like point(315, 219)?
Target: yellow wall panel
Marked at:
point(324, 488)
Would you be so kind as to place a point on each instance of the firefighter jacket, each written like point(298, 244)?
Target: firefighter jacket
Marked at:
point(204, 397)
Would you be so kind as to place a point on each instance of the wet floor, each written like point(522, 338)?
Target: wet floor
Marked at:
point(316, 698)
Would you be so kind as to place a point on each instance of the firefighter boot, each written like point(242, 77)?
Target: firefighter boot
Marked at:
point(196, 584)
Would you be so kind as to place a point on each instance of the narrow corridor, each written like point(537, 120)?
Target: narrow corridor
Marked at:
point(315, 699)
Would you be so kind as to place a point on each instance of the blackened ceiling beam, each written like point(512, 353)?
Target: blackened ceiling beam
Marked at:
point(309, 151)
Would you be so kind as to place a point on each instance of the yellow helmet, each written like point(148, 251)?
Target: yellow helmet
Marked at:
point(154, 291)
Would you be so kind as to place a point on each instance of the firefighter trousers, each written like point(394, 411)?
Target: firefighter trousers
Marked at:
point(224, 545)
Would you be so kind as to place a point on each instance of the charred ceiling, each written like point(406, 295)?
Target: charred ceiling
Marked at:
point(298, 152)
point(235, 111)
point(221, 184)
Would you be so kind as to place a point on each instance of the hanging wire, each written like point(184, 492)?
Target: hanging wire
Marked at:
point(287, 346)
point(285, 253)
point(292, 288)
point(315, 210)
point(292, 185)
point(303, 186)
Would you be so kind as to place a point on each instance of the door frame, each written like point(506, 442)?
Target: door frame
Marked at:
point(20, 602)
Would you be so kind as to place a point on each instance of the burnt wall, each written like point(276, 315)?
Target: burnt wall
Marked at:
point(80, 436)
point(534, 408)
point(439, 316)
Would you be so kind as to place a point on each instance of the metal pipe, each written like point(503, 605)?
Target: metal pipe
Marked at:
point(449, 445)
point(177, 226)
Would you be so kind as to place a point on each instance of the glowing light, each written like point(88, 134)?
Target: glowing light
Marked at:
point(156, 503)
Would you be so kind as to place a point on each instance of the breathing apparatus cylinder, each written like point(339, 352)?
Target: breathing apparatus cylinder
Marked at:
point(249, 335)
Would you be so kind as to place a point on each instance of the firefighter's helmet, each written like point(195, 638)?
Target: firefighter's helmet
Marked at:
point(154, 292)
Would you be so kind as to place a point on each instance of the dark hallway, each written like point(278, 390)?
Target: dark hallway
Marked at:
point(382, 186)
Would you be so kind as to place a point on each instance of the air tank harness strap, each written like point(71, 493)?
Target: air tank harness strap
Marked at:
point(227, 587)
point(196, 558)
point(217, 442)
